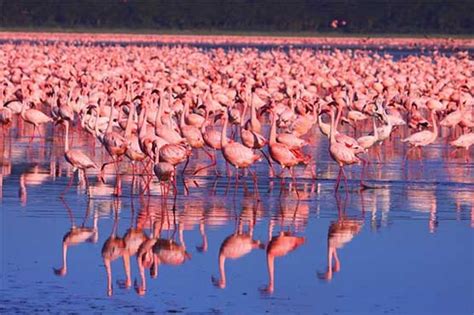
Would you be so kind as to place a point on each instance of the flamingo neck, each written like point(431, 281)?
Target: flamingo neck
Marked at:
point(109, 126)
point(376, 133)
point(244, 111)
point(204, 124)
point(435, 126)
point(332, 130)
point(272, 139)
point(66, 141)
point(184, 114)
point(23, 110)
point(96, 127)
point(160, 110)
point(142, 122)
point(253, 113)
point(224, 131)
point(338, 118)
point(128, 128)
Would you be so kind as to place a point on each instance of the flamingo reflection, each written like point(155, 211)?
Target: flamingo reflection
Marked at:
point(146, 259)
point(77, 235)
point(114, 248)
point(340, 233)
point(236, 246)
point(279, 245)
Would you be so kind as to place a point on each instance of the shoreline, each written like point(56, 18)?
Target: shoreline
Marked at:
point(274, 39)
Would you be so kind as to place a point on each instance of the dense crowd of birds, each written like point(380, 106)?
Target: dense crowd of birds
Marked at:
point(156, 106)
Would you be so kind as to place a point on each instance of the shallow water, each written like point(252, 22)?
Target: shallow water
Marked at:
point(405, 246)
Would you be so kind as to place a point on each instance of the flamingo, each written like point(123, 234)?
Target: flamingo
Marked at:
point(166, 132)
point(280, 245)
point(234, 246)
point(284, 155)
point(77, 159)
point(235, 153)
point(116, 145)
point(114, 248)
point(340, 153)
point(212, 139)
point(464, 141)
point(423, 138)
point(34, 117)
point(77, 235)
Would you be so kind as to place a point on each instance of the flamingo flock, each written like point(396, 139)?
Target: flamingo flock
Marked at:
point(155, 107)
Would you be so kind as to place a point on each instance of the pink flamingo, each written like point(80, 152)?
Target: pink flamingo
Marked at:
point(34, 117)
point(116, 145)
point(77, 159)
point(464, 141)
point(236, 153)
point(284, 155)
point(340, 153)
point(423, 138)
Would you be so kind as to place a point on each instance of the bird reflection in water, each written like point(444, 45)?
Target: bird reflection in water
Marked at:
point(34, 176)
point(77, 235)
point(280, 245)
point(146, 259)
point(238, 244)
point(114, 248)
point(340, 233)
point(156, 250)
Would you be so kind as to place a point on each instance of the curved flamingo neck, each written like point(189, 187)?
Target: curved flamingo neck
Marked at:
point(376, 133)
point(184, 114)
point(204, 124)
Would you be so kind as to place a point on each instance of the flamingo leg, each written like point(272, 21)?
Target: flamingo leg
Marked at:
point(272, 170)
point(377, 151)
point(33, 135)
point(175, 188)
point(87, 182)
point(68, 186)
point(293, 177)
point(186, 189)
point(227, 168)
point(185, 166)
point(338, 179)
point(255, 183)
point(364, 163)
point(214, 188)
point(345, 181)
point(102, 170)
point(133, 179)
point(213, 163)
point(236, 181)
point(406, 155)
point(118, 181)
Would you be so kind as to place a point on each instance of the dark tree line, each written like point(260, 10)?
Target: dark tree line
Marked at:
point(367, 16)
